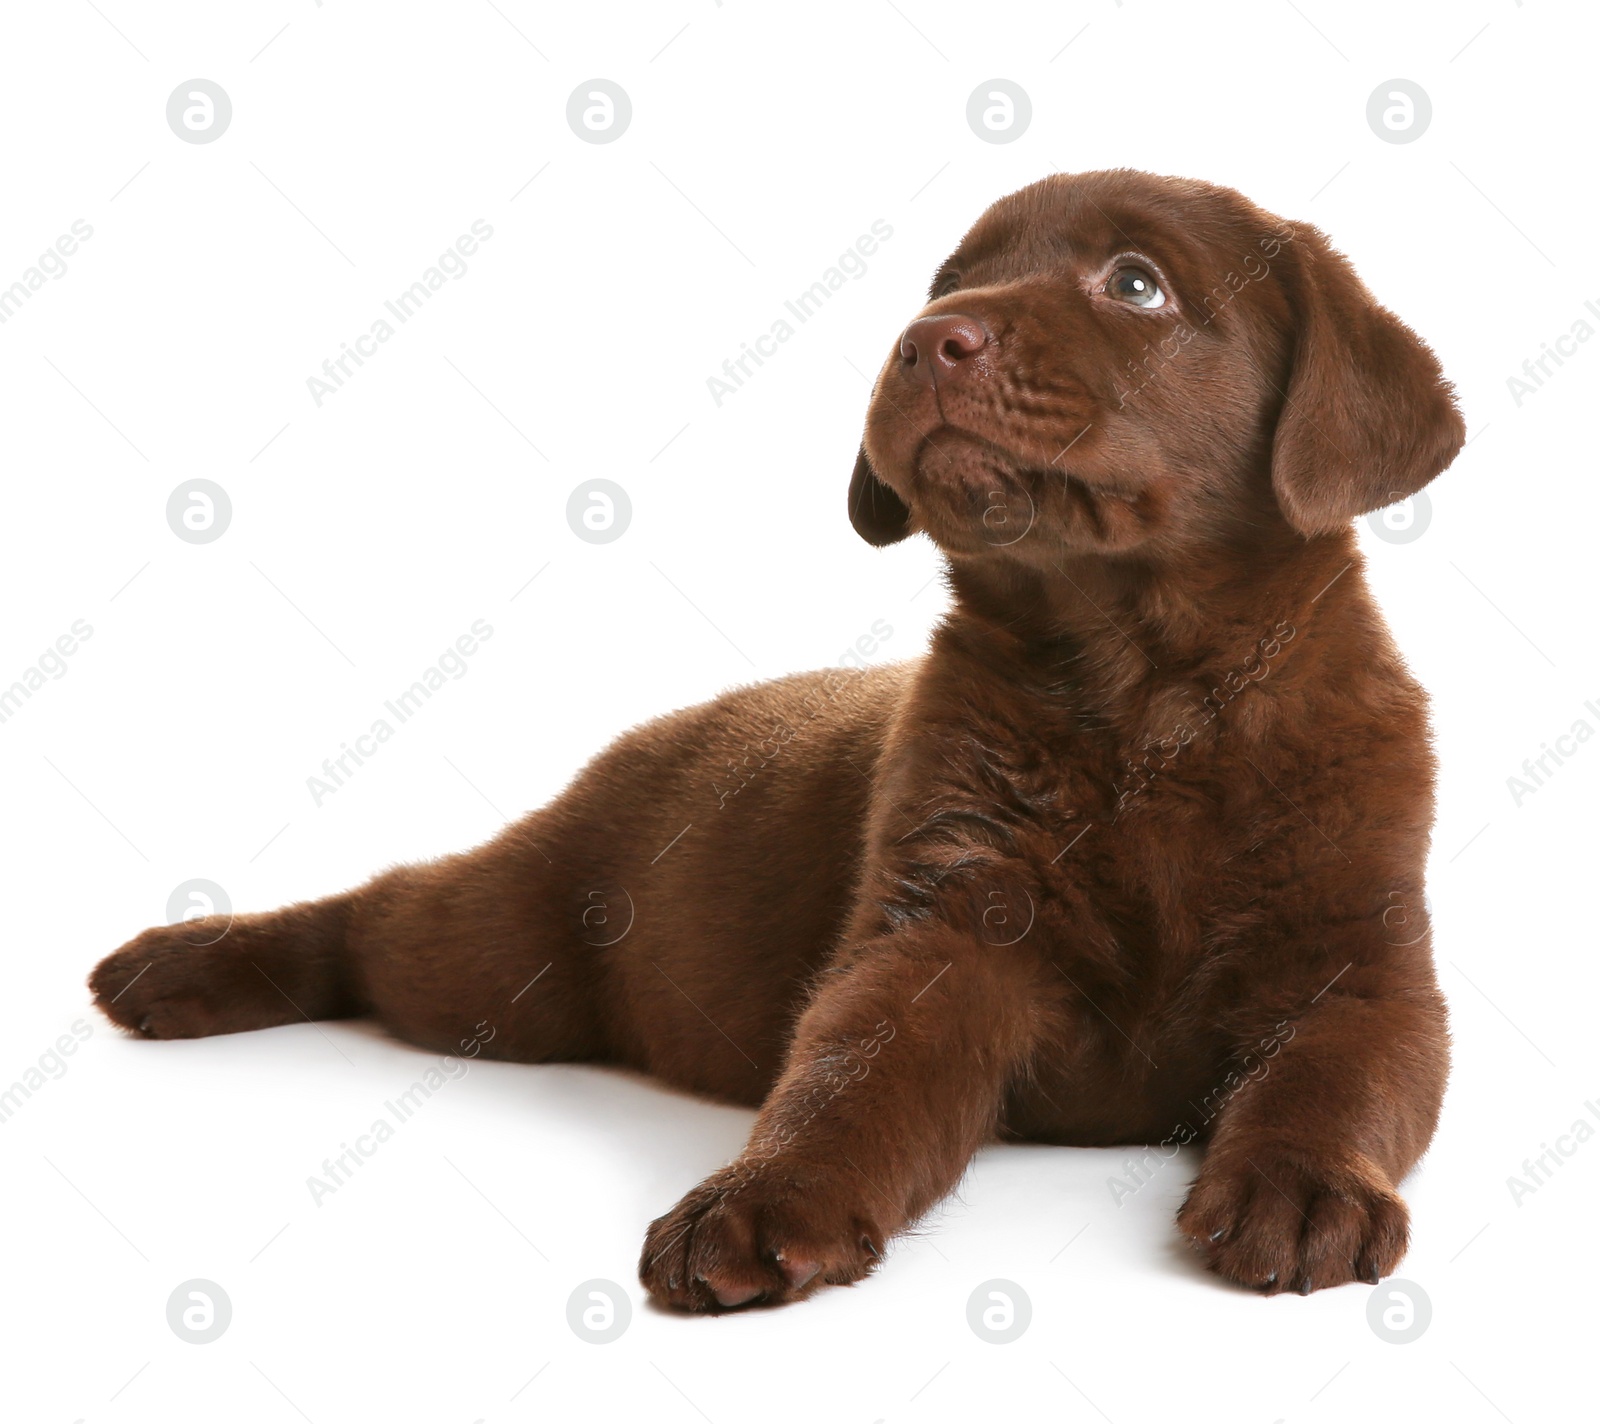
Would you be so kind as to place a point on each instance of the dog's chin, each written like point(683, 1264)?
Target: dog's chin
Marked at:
point(973, 498)
point(1041, 544)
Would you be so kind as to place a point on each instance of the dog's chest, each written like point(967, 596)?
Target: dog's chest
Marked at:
point(1149, 845)
point(1148, 885)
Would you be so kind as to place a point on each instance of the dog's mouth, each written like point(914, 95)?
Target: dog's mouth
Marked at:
point(973, 494)
point(949, 451)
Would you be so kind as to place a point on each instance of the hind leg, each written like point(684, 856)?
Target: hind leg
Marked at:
point(477, 953)
point(224, 974)
point(484, 953)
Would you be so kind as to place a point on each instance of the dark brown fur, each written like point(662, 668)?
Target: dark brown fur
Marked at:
point(1135, 854)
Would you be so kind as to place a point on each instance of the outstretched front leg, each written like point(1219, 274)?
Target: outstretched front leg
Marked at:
point(896, 1076)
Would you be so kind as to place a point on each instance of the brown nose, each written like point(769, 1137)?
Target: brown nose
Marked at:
point(938, 349)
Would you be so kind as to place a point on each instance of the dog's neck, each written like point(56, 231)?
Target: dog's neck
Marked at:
point(1128, 627)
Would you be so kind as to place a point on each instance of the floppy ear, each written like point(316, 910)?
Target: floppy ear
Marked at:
point(878, 513)
point(1368, 417)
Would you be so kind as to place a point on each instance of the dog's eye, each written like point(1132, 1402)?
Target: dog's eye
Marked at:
point(945, 283)
point(1136, 287)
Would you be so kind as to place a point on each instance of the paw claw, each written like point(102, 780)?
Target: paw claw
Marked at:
point(735, 1296)
point(799, 1273)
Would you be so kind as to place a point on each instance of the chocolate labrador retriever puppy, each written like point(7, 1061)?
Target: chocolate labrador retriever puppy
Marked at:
point(1134, 854)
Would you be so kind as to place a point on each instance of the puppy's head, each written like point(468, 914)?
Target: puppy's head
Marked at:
point(1116, 363)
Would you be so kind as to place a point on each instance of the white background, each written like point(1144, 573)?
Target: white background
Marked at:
point(369, 533)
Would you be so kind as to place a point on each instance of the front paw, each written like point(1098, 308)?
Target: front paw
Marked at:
point(1275, 1219)
point(758, 1234)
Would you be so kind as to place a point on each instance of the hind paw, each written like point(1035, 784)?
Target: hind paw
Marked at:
point(174, 981)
